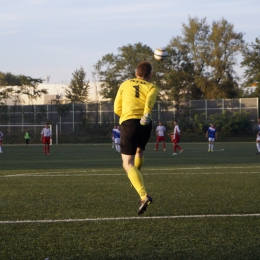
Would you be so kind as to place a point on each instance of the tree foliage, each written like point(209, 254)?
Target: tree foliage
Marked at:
point(113, 69)
point(200, 64)
point(7, 83)
point(29, 87)
point(209, 53)
point(232, 125)
point(251, 63)
point(227, 124)
point(13, 86)
point(77, 90)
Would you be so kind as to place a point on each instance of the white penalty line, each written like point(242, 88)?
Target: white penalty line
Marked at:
point(129, 218)
point(159, 172)
point(95, 172)
point(123, 174)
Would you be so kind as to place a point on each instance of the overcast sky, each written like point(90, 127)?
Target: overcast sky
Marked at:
point(56, 37)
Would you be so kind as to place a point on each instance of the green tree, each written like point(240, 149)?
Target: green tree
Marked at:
point(178, 77)
point(77, 90)
point(200, 63)
point(10, 86)
point(195, 54)
point(225, 45)
point(30, 87)
point(209, 52)
point(251, 62)
point(232, 124)
point(113, 69)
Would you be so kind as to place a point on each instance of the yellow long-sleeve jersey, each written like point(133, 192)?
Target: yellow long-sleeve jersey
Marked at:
point(135, 98)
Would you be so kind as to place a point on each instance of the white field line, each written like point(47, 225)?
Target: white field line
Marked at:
point(195, 149)
point(123, 174)
point(159, 171)
point(162, 169)
point(165, 169)
point(130, 218)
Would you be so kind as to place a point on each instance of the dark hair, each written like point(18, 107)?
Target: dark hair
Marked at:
point(144, 69)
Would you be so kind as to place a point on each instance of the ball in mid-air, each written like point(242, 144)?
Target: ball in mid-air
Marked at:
point(160, 53)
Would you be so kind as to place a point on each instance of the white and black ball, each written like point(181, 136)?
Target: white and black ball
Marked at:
point(160, 53)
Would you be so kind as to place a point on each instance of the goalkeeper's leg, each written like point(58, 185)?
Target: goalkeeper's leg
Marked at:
point(139, 159)
point(134, 175)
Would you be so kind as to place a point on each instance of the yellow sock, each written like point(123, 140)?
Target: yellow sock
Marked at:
point(139, 162)
point(136, 179)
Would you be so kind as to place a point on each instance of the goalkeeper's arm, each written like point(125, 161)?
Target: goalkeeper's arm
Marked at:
point(149, 103)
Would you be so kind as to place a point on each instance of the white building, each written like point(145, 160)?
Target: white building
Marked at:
point(57, 91)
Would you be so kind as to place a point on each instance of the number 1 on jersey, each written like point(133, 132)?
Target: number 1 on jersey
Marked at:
point(137, 93)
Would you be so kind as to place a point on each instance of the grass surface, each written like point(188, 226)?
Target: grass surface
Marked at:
point(78, 203)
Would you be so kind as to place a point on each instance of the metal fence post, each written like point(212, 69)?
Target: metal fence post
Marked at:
point(206, 110)
point(57, 132)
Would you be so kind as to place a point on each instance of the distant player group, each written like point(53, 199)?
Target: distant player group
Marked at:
point(211, 134)
point(46, 135)
point(175, 137)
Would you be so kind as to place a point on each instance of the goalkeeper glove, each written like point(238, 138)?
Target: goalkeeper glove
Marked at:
point(146, 119)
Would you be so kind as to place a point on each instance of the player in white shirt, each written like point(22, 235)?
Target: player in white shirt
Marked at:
point(46, 135)
point(258, 138)
point(160, 132)
point(1, 140)
point(175, 137)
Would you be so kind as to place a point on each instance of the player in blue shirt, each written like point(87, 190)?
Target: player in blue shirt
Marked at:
point(116, 134)
point(112, 137)
point(211, 134)
point(258, 138)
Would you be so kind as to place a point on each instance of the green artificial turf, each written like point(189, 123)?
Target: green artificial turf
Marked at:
point(78, 203)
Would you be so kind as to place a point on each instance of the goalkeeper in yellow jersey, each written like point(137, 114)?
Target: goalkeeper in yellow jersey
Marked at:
point(133, 104)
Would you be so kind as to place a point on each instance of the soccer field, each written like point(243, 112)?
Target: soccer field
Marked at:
point(78, 203)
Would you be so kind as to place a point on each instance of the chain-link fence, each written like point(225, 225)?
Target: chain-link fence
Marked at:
point(80, 118)
point(74, 117)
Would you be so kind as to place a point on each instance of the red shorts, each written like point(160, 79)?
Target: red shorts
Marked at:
point(46, 140)
point(176, 139)
point(1, 142)
point(160, 138)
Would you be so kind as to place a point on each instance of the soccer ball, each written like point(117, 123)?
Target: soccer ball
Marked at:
point(160, 53)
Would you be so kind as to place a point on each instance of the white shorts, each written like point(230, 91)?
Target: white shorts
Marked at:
point(211, 139)
point(117, 140)
point(258, 138)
